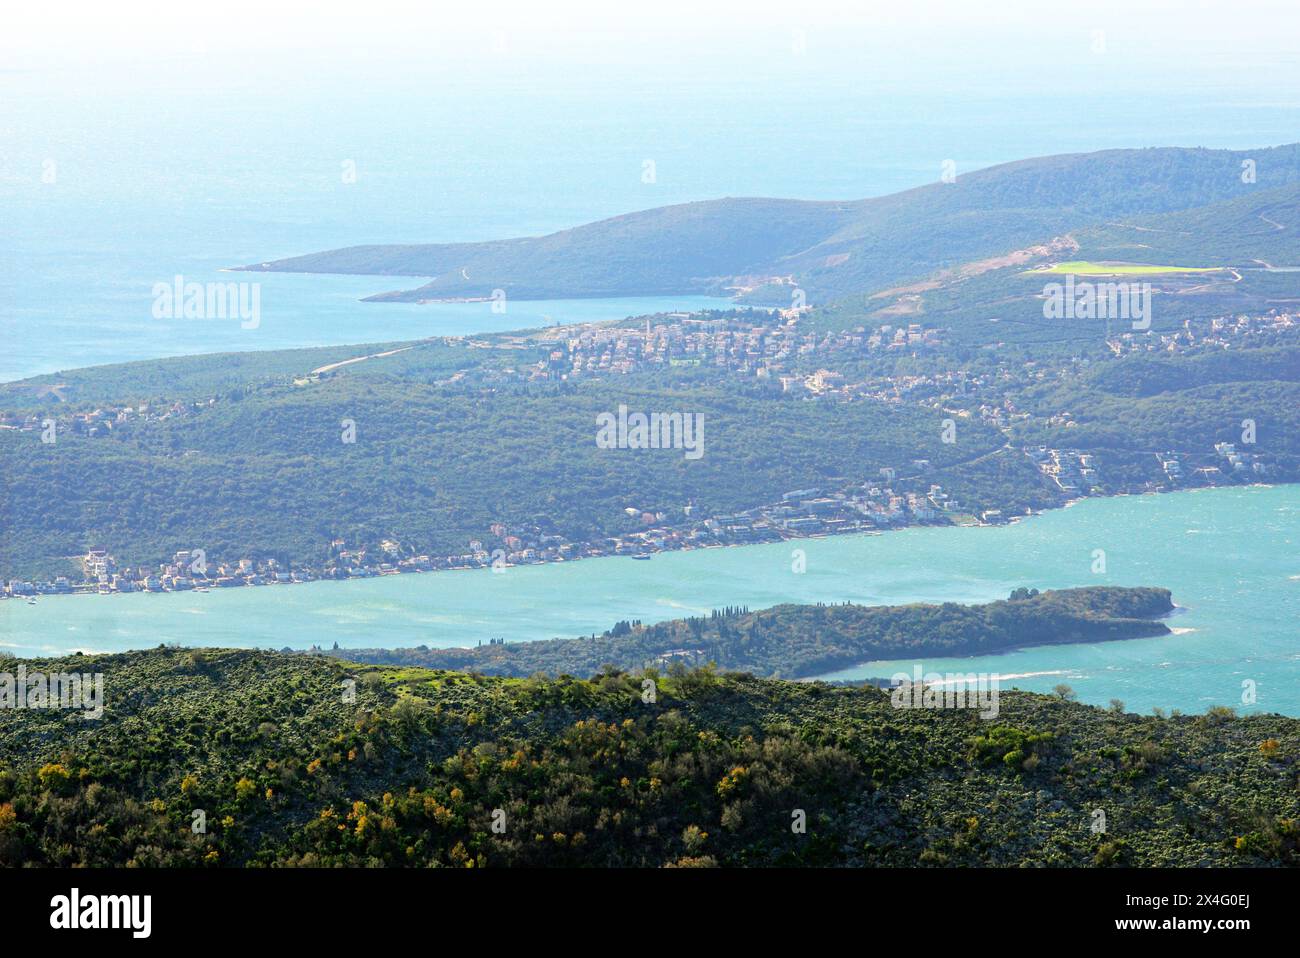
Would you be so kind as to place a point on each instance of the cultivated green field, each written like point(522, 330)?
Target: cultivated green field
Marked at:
point(1084, 268)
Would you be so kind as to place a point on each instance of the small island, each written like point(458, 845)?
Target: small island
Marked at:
point(800, 641)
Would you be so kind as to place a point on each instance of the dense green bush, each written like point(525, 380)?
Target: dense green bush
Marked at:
point(428, 768)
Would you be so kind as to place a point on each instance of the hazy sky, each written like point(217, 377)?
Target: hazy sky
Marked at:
point(1246, 47)
point(171, 101)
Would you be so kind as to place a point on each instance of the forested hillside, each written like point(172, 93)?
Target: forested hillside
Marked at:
point(792, 641)
point(229, 758)
point(830, 249)
point(1253, 230)
point(269, 473)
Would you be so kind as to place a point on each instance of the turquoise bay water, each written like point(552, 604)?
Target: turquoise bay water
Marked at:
point(1231, 557)
point(296, 311)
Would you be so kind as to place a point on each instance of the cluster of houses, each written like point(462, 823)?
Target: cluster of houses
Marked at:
point(804, 512)
point(756, 343)
point(1239, 463)
point(1227, 462)
point(1074, 473)
point(187, 570)
point(102, 420)
point(852, 507)
point(766, 345)
point(1222, 332)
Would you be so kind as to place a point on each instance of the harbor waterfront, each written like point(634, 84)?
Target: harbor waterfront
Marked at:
point(1236, 623)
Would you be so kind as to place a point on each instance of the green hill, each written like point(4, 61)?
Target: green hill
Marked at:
point(229, 758)
point(267, 474)
point(1219, 258)
point(793, 641)
point(830, 249)
point(1259, 229)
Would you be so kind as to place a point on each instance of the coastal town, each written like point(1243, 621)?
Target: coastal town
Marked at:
point(867, 508)
point(760, 345)
point(872, 507)
point(748, 343)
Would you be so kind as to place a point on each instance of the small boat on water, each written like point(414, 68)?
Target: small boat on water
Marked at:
point(31, 601)
point(642, 556)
